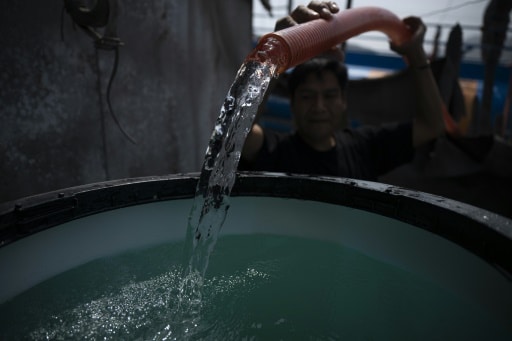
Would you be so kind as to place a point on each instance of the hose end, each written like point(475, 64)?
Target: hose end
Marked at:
point(272, 49)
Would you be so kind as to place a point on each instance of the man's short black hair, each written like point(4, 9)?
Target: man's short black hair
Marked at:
point(317, 66)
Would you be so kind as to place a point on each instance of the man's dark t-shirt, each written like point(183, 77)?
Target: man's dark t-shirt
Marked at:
point(362, 153)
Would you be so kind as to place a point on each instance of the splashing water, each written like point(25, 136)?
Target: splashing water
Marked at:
point(218, 174)
point(222, 156)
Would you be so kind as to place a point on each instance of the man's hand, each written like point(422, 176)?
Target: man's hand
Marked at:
point(428, 121)
point(413, 49)
point(315, 10)
point(302, 14)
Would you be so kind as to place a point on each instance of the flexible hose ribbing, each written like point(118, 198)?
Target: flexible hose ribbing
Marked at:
point(302, 42)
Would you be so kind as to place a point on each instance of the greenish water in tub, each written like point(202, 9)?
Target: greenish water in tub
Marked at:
point(257, 287)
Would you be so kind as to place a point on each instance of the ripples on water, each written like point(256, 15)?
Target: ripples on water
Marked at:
point(258, 287)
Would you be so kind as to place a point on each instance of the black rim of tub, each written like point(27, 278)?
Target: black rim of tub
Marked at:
point(482, 232)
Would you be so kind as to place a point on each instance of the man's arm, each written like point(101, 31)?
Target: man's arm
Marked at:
point(428, 121)
point(253, 143)
point(301, 14)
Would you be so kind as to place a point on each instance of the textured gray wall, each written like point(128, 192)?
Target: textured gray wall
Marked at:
point(175, 68)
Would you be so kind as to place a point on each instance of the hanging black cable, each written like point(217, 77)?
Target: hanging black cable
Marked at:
point(109, 87)
point(103, 14)
point(102, 114)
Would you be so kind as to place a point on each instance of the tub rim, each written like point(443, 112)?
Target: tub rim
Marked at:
point(483, 233)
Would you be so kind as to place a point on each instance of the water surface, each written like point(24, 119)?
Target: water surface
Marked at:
point(256, 287)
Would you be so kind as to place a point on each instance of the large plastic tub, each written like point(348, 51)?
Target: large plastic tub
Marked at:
point(458, 250)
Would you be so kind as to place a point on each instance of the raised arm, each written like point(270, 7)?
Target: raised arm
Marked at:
point(428, 120)
point(301, 14)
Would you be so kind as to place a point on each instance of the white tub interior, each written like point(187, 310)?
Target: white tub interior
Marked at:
point(34, 259)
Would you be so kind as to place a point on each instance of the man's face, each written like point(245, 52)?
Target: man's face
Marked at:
point(318, 107)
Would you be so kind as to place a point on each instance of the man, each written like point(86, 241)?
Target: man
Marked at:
point(322, 144)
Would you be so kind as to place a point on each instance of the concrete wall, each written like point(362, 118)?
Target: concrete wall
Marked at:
point(176, 66)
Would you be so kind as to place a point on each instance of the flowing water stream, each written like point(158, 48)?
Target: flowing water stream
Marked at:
point(218, 174)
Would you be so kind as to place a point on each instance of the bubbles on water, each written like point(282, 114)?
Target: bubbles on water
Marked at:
point(131, 311)
point(252, 94)
point(149, 309)
point(280, 321)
